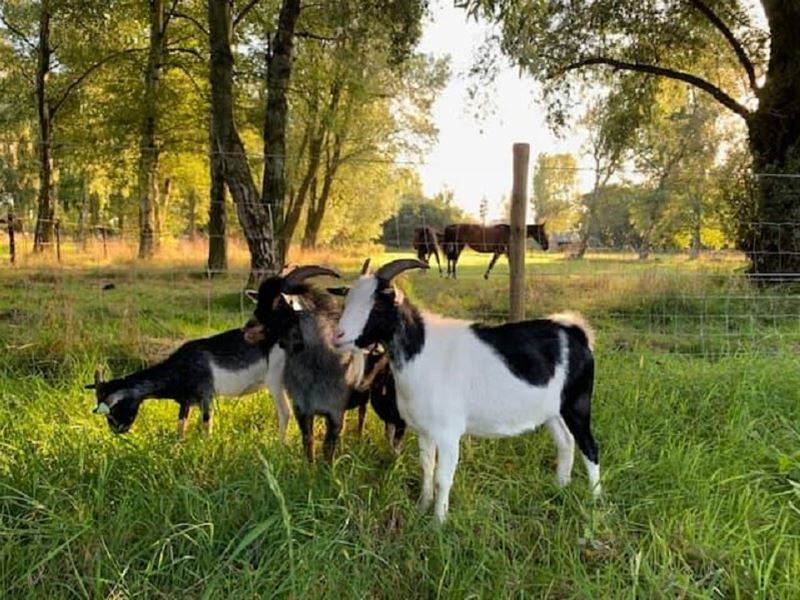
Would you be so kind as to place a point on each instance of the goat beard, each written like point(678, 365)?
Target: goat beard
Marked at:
point(355, 366)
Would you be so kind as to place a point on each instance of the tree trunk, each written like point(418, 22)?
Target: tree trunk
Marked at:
point(316, 210)
point(45, 217)
point(160, 208)
point(148, 146)
point(770, 228)
point(279, 71)
point(192, 216)
point(588, 216)
point(697, 224)
point(217, 215)
point(82, 209)
point(229, 148)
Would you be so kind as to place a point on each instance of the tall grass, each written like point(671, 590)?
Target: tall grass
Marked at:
point(700, 446)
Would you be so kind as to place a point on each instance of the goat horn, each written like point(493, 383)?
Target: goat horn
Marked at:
point(300, 274)
point(391, 270)
point(98, 376)
point(365, 267)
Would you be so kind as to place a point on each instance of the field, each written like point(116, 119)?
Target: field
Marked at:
point(697, 413)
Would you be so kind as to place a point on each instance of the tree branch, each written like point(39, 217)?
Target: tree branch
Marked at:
point(621, 65)
point(744, 60)
point(17, 32)
point(80, 78)
point(315, 36)
point(192, 20)
point(168, 16)
point(242, 13)
point(181, 50)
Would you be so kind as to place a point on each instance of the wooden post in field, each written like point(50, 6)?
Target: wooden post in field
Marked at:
point(12, 249)
point(516, 243)
point(105, 247)
point(58, 239)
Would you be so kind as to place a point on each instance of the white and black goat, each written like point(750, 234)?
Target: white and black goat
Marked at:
point(455, 377)
point(224, 364)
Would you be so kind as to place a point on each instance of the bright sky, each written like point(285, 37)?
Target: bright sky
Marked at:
point(474, 158)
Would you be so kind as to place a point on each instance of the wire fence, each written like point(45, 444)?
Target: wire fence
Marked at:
point(667, 302)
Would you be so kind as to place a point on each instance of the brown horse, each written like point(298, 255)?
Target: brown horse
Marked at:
point(491, 239)
point(426, 242)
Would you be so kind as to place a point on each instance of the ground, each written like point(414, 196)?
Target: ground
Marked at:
point(697, 414)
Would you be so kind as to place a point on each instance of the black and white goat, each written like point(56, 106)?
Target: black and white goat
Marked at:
point(224, 364)
point(455, 378)
point(301, 319)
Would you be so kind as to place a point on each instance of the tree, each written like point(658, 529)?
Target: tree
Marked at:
point(717, 47)
point(417, 210)
point(55, 88)
point(483, 210)
point(555, 190)
point(229, 147)
point(611, 123)
point(279, 71)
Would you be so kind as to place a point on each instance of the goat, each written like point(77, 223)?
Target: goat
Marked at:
point(426, 242)
point(224, 364)
point(455, 377)
point(489, 239)
point(301, 319)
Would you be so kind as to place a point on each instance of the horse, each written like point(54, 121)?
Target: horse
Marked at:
point(487, 239)
point(426, 242)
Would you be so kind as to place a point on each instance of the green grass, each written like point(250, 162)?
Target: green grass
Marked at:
point(697, 412)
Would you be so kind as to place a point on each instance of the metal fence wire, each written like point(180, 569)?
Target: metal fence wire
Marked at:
point(667, 302)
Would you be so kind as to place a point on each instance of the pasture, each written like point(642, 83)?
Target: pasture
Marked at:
point(696, 411)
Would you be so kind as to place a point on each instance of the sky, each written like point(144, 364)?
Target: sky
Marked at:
point(472, 157)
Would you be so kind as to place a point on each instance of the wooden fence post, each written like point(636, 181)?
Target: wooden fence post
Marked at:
point(516, 243)
point(12, 249)
point(58, 239)
point(105, 247)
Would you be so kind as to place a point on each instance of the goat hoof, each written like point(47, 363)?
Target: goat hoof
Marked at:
point(424, 503)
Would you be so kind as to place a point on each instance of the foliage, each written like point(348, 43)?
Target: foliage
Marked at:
point(417, 210)
point(555, 191)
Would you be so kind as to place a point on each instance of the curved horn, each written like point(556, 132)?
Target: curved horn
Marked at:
point(98, 376)
point(300, 274)
point(365, 267)
point(391, 270)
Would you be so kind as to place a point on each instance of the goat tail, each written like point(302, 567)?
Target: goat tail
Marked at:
point(574, 319)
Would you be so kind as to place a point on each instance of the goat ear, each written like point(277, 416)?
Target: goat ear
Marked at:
point(339, 291)
point(292, 300)
point(90, 386)
point(252, 294)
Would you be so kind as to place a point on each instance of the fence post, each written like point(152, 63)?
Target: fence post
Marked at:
point(516, 243)
point(12, 249)
point(58, 239)
point(105, 247)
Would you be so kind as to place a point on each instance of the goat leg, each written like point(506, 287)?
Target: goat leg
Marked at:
point(183, 419)
point(306, 424)
point(332, 435)
point(362, 416)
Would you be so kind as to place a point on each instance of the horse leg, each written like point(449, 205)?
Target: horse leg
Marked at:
point(438, 264)
point(495, 256)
